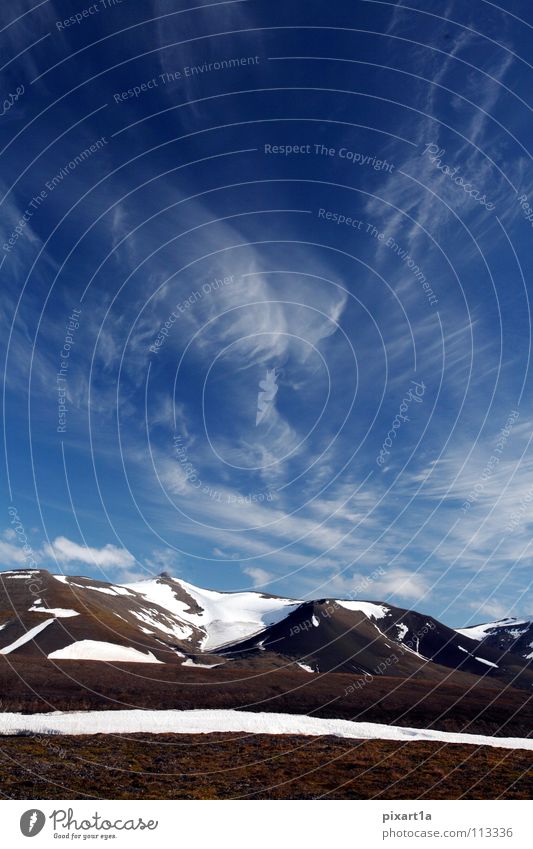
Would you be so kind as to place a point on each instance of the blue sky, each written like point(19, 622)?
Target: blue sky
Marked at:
point(265, 316)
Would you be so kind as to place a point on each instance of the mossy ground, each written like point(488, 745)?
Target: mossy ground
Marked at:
point(229, 766)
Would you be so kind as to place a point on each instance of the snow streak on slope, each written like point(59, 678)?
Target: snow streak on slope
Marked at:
point(59, 612)
point(29, 635)
point(479, 659)
point(211, 721)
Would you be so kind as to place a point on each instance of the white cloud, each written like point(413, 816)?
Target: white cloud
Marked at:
point(379, 585)
point(403, 584)
point(259, 576)
point(226, 555)
point(109, 556)
point(163, 560)
point(492, 609)
point(11, 555)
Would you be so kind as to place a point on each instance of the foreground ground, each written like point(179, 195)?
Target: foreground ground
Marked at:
point(458, 702)
point(226, 766)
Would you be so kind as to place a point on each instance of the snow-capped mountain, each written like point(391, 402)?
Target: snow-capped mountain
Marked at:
point(165, 620)
point(220, 618)
point(511, 635)
point(369, 637)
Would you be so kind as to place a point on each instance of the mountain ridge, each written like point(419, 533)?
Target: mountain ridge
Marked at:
point(165, 620)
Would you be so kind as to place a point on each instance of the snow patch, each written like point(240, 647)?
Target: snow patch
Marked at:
point(97, 650)
point(479, 632)
point(369, 608)
point(59, 612)
point(211, 721)
point(174, 629)
point(120, 590)
point(403, 630)
point(111, 590)
point(21, 574)
point(486, 662)
point(105, 590)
